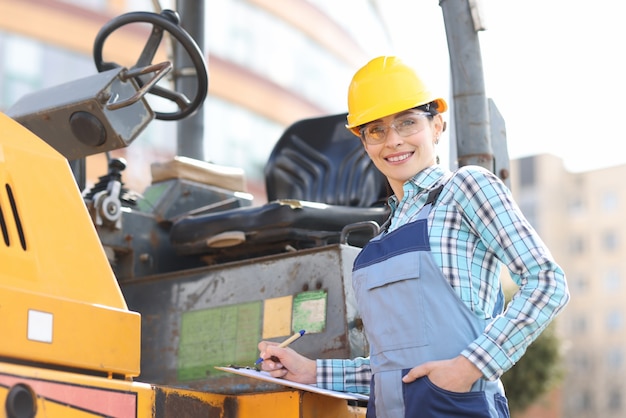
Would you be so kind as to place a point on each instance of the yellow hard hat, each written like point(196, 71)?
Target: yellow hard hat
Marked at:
point(385, 86)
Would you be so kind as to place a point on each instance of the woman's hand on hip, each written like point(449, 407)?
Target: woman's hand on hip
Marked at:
point(455, 375)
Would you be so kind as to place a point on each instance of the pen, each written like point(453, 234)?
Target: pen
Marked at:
point(285, 343)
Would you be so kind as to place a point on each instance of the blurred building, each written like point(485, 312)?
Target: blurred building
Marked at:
point(579, 216)
point(270, 62)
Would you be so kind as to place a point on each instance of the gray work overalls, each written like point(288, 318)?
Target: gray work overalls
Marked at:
point(411, 315)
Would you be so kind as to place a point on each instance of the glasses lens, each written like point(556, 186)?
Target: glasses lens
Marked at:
point(410, 124)
point(375, 132)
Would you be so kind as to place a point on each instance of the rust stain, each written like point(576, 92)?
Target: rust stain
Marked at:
point(177, 405)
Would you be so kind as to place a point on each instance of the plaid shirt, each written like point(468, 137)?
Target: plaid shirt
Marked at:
point(474, 228)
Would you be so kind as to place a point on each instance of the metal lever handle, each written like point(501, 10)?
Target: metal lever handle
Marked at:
point(357, 226)
point(159, 71)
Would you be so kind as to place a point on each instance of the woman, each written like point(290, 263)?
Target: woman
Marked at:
point(428, 286)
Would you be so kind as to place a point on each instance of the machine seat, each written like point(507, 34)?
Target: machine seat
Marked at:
point(321, 185)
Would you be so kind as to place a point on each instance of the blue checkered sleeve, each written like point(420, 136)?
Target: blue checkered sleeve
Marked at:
point(505, 235)
point(344, 375)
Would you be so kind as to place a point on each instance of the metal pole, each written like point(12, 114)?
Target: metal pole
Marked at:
point(469, 104)
point(190, 131)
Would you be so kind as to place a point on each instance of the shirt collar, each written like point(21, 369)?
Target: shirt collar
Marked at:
point(423, 180)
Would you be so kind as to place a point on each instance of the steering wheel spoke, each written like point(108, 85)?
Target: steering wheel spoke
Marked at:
point(179, 98)
point(151, 47)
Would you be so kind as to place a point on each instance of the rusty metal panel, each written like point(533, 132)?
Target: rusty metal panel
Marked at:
point(215, 316)
point(170, 403)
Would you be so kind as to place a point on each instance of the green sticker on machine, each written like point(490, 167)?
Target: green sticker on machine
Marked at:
point(218, 337)
point(309, 311)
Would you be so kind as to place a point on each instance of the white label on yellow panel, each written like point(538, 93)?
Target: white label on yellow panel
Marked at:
point(40, 326)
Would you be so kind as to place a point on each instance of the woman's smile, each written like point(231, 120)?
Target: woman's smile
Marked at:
point(398, 157)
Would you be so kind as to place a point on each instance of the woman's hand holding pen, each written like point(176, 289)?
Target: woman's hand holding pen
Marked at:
point(283, 362)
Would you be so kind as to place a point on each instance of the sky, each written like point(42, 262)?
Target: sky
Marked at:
point(555, 69)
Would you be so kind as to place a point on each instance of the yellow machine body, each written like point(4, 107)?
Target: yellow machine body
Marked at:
point(56, 284)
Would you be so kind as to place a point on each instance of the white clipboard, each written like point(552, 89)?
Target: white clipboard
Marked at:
point(265, 376)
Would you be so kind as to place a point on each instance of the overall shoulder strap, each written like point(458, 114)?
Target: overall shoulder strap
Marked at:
point(434, 193)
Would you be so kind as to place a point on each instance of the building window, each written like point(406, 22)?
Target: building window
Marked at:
point(582, 401)
point(614, 321)
point(21, 75)
point(236, 126)
point(579, 284)
point(527, 171)
point(615, 399)
point(575, 207)
point(579, 362)
point(610, 241)
point(610, 201)
point(528, 208)
point(612, 282)
point(615, 359)
point(579, 325)
point(576, 246)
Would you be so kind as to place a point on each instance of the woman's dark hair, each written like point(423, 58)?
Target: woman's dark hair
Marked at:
point(429, 108)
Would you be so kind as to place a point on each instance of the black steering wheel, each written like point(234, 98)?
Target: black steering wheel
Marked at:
point(166, 21)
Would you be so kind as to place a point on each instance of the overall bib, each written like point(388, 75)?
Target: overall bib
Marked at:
point(411, 315)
